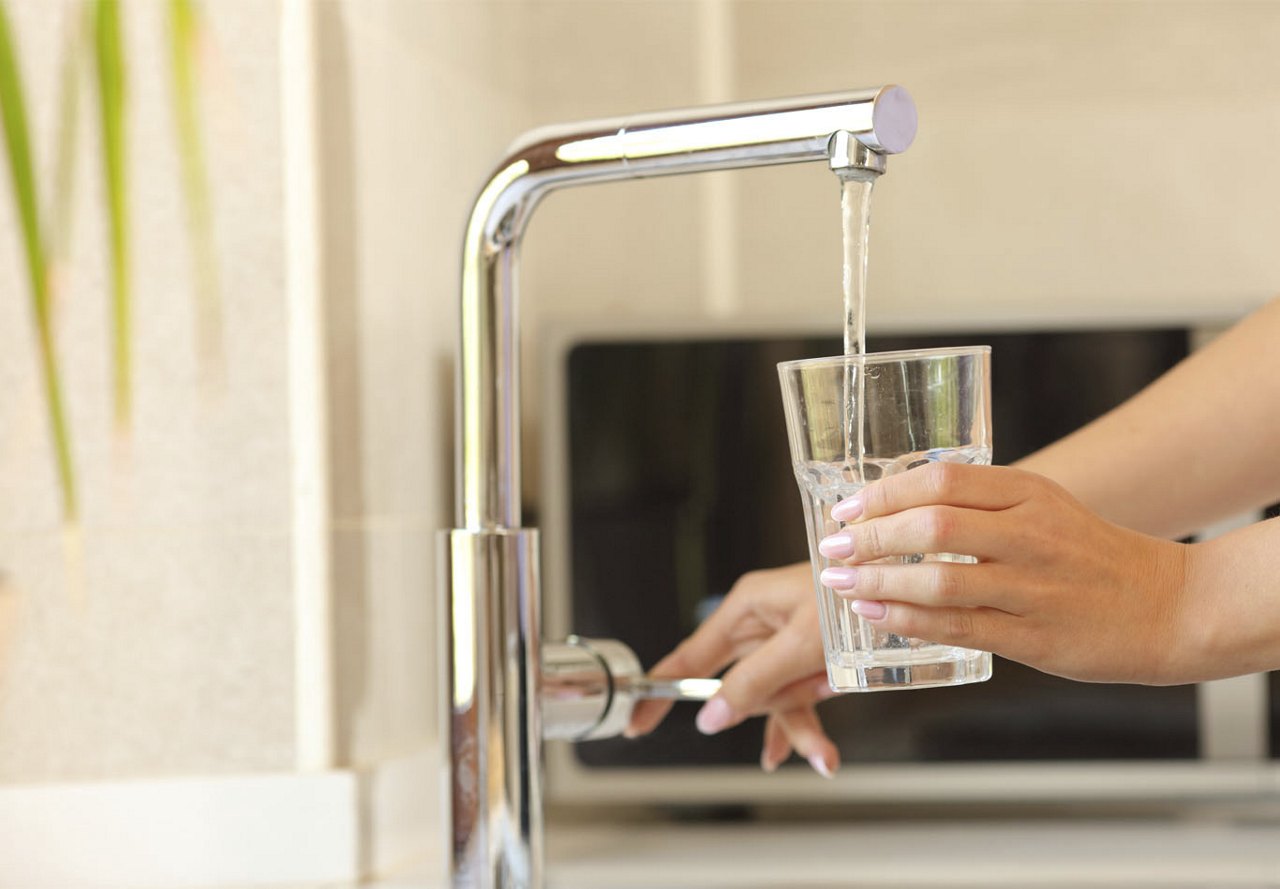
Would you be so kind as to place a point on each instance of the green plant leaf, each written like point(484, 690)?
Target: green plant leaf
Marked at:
point(184, 36)
point(18, 145)
point(58, 233)
point(111, 92)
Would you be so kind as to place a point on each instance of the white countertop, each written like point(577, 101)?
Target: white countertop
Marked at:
point(904, 855)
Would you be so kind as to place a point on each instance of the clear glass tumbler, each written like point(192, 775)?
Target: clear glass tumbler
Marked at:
point(852, 420)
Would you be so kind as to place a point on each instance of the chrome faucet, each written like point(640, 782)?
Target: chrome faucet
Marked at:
point(507, 691)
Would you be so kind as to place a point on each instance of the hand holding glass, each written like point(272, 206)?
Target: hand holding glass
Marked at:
point(854, 419)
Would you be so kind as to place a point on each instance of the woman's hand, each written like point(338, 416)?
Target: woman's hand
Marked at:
point(768, 624)
point(1055, 586)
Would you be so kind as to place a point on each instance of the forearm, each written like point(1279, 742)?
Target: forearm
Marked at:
point(1231, 614)
point(1197, 445)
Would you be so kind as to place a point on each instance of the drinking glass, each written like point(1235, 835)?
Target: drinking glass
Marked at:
point(851, 420)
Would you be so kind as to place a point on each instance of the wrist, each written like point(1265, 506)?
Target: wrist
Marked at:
point(1207, 641)
point(1185, 638)
point(1232, 617)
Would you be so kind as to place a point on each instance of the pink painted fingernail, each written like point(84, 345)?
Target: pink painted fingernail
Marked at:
point(847, 509)
point(839, 578)
point(837, 546)
point(820, 766)
point(714, 716)
point(869, 610)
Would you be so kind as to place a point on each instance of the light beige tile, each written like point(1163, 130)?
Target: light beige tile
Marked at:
point(385, 630)
point(419, 108)
point(145, 654)
point(1069, 153)
point(625, 248)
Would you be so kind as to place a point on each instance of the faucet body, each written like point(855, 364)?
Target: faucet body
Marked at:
point(494, 653)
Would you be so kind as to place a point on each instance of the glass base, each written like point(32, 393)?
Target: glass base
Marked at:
point(887, 670)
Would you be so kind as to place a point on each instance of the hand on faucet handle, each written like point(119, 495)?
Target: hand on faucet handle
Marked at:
point(767, 628)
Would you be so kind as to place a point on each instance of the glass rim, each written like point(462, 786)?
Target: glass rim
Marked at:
point(884, 357)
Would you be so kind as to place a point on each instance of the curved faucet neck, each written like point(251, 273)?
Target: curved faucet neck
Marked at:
point(875, 122)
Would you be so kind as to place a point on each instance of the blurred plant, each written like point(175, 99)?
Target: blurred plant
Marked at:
point(184, 39)
point(18, 144)
point(60, 216)
point(111, 94)
point(47, 250)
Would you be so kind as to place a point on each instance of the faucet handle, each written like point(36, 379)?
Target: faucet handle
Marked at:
point(590, 687)
point(676, 689)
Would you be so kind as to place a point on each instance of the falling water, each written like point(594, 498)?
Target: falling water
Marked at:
point(855, 206)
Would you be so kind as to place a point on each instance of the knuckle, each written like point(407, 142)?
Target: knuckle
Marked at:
point(747, 584)
point(873, 499)
point(960, 626)
point(870, 583)
point(791, 657)
point(674, 664)
point(867, 542)
point(789, 639)
point(939, 527)
point(903, 620)
point(744, 687)
point(945, 583)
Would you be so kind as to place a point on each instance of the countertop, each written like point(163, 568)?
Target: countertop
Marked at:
point(904, 855)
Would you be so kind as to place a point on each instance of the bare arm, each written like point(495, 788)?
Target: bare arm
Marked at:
point(1198, 445)
point(1231, 603)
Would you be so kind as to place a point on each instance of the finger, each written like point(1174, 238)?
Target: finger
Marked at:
point(732, 630)
point(648, 714)
point(981, 628)
point(776, 746)
point(780, 661)
point(931, 529)
point(971, 486)
point(645, 717)
point(935, 584)
point(727, 635)
point(802, 693)
point(711, 647)
point(804, 732)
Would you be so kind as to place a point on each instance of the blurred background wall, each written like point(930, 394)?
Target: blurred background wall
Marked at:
point(155, 635)
point(1075, 159)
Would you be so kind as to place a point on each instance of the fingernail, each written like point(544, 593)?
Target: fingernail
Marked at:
point(847, 509)
point(837, 546)
point(714, 716)
point(869, 610)
point(839, 578)
point(767, 764)
point(630, 733)
point(820, 766)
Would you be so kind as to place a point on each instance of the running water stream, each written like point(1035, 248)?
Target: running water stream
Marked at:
point(855, 207)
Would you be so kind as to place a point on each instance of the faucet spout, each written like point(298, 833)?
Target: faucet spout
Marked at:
point(492, 579)
point(851, 159)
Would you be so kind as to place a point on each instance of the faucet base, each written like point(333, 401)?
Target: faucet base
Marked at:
point(490, 590)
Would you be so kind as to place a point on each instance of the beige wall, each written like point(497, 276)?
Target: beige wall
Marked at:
point(160, 639)
point(415, 97)
point(1110, 154)
point(1098, 156)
